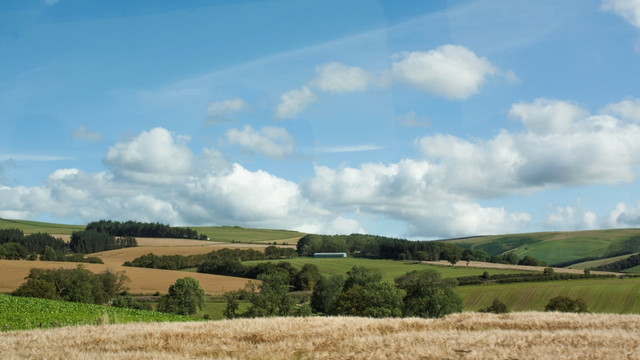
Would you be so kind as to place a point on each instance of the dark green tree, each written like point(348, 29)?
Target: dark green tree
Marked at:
point(273, 298)
point(325, 294)
point(428, 295)
point(185, 297)
point(307, 277)
point(360, 275)
point(497, 307)
point(566, 304)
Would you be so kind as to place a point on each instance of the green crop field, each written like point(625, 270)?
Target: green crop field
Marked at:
point(556, 247)
point(18, 313)
point(599, 262)
point(614, 295)
point(390, 268)
point(245, 235)
point(29, 227)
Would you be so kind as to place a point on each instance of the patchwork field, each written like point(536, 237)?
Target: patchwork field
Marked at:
point(143, 281)
point(519, 268)
point(460, 336)
point(621, 296)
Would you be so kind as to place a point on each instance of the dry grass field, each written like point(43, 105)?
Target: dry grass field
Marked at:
point(460, 336)
point(143, 281)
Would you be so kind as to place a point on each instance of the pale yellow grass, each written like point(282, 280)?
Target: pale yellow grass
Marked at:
point(487, 265)
point(460, 336)
point(143, 281)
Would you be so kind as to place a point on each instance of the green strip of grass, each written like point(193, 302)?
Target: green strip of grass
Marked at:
point(245, 235)
point(18, 313)
point(611, 295)
point(29, 227)
point(390, 268)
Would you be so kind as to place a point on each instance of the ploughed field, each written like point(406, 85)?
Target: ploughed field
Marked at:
point(529, 335)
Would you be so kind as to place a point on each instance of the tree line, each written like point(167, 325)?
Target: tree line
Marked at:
point(381, 247)
point(177, 262)
point(142, 229)
point(624, 264)
point(14, 245)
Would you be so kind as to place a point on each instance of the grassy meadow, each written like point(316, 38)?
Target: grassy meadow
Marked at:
point(390, 268)
point(29, 227)
point(18, 313)
point(621, 296)
point(529, 335)
point(246, 235)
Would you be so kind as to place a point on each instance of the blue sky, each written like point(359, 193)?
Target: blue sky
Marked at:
point(412, 119)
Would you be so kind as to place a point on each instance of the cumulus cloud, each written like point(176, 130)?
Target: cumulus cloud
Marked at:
point(154, 156)
point(545, 116)
point(274, 142)
point(628, 109)
point(335, 77)
point(571, 218)
point(220, 111)
point(451, 71)
point(624, 216)
point(293, 102)
point(82, 133)
point(627, 9)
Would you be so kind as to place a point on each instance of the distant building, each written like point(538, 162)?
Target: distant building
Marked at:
point(330, 255)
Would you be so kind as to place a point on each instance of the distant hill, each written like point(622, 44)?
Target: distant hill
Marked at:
point(29, 227)
point(558, 247)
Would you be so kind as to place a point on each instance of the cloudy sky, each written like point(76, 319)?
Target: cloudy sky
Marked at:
point(429, 119)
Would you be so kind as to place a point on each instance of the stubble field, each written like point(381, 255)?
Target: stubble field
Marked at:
point(461, 336)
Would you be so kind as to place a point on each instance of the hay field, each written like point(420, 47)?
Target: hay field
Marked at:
point(143, 281)
point(528, 335)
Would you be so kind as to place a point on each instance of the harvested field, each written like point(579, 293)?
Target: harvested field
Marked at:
point(528, 335)
point(143, 281)
point(486, 265)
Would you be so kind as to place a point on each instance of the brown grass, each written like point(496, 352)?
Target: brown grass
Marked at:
point(460, 336)
point(143, 281)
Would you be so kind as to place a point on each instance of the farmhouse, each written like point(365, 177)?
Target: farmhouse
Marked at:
point(330, 255)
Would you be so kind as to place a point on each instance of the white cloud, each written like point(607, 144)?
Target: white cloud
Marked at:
point(452, 71)
point(547, 116)
point(628, 109)
point(81, 133)
point(219, 111)
point(335, 77)
point(152, 157)
point(293, 102)
point(274, 142)
point(570, 218)
point(412, 119)
point(624, 216)
point(627, 9)
point(348, 148)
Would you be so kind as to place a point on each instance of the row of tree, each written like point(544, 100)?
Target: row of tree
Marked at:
point(90, 241)
point(176, 262)
point(381, 247)
point(33, 243)
point(628, 263)
point(142, 229)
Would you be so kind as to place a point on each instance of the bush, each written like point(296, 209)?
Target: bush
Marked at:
point(566, 304)
point(497, 307)
point(428, 295)
point(126, 301)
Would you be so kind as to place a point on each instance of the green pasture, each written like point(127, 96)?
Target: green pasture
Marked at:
point(556, 247)
point(18, 313)
point(245, 235)
point(29, 227)
point(390, 268)
point(611, 295)
point(599, 262)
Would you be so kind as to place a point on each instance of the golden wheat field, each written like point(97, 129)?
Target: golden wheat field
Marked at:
point(527, 335)
point(143, 281)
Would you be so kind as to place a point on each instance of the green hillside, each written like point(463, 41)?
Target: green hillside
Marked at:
point(558, 247)
point(29, 227)
point(614, 295)
point(246, 235)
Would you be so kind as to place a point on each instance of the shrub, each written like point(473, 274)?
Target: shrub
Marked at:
point(566, 304)
point(185, 297)
point(497, 307)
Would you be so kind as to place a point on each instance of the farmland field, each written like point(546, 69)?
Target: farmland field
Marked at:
point(246, 235)
point(614, 295)
point(18, 313)
point(29, 227)
point(468, 335)
point(143, 281)
point(599, 262)
point(390, 268)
